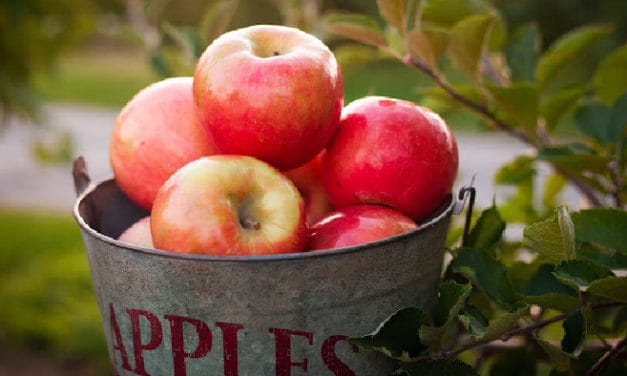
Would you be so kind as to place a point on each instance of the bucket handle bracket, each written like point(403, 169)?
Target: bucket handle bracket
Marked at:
point(467, 193)
point(80, 175)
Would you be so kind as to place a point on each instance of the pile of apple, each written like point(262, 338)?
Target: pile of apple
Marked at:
point(256, 153)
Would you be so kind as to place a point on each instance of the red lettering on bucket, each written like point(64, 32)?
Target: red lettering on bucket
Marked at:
point(178, 341)
point(329, 356)
point(283, 350)
point(199, 345)
point(156, 336)
point(116, 338)
point(229, 346)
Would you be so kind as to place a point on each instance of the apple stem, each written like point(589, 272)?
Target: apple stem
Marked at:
point(250, 224)
point(275, 53)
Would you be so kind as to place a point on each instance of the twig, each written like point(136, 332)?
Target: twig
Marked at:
point(481, 109)
point(477, 107)
point(609, 354)
point(522, 330)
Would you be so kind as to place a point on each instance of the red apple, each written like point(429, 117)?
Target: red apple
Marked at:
point(271, 92)
point(308, 179)
point(156, 133)
point(357, 224)
point(229, 205)
point(391, 152)
point(138, 234)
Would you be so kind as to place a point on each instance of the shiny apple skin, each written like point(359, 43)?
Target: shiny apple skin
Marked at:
point(281, 109)
point(229, 205)
point(357, 224)
point(308, 179)
point(138, 234)
point(392, 152)
point(156, 132)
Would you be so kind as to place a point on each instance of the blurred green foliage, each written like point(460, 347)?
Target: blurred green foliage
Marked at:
point(48, 304)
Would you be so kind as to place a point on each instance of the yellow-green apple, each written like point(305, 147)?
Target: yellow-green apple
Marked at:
point(138, 234)
point(156, 133)
point(308, 179)
point(392, 152)
point(272, 92)
point(357, 224)
point(229, 205)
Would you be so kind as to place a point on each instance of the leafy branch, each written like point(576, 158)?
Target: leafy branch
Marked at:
point(515, 88)
point(523, 330)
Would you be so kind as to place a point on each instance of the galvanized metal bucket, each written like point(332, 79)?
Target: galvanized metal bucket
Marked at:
point(177, 314)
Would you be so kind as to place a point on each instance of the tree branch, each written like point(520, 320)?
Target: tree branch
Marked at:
point(521, 330)
point(609, 354)
point(481, 109)
point(477, 107)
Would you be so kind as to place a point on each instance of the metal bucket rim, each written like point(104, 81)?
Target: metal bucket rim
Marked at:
point(446, 211)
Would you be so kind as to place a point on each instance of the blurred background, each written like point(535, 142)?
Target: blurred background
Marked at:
point(66, 69)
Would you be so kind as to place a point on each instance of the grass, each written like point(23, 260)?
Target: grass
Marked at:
point(45, 278)
point(100, 77)
point(110, 78)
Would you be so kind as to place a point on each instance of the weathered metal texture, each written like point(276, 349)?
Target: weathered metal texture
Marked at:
point(173, 314)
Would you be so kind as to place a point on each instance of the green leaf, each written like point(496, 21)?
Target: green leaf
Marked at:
point(488, 230)
point(397, 337)
point(567, 49)
point(614, 288)
point(503, 323)
point(393, 13)
point(543, 282)
point(604, 226)
point(419, 45)
point(467, 41)
point(358, 27)
point(436, 367)
point(474, 321)
point(519, 101)
point(554, 107)
point(522, 52)
point(187, 40)
point(580, 273)
point(487, 273)
point(560, 302)
point(447, 13)
point(518, 361)
point(554, 184)
point(602, 256)
point(575, 331)
point(438, 40)
point(619, 322)
point(515, 171)
point(559, 359)
point(553, 238)
point(160, 65)
point(610, 80)
point(618, 119)
point(573, 158)
point(216, 19)
point(450, 300)
point(593, 119)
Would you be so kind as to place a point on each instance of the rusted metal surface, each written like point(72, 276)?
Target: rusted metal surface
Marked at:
point(173, 314)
